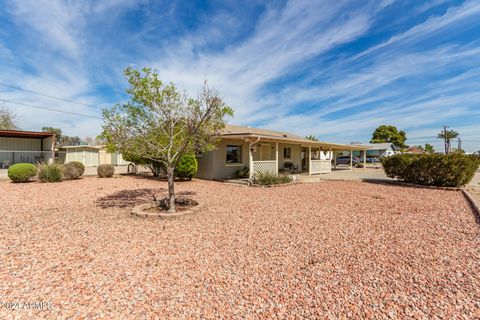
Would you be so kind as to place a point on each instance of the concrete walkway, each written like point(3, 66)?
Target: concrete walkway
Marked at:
point(359, 174)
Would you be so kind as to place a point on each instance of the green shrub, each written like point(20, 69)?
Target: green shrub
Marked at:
point(105, 170)
point(186, 167)
point(73, 170)
point(243, 173)
point(269, 178)
point(22, 172)
point(50, 172)
point(451, 170)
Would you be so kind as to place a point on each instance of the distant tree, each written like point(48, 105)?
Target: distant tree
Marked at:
point(161, 124)
point(355, 142)
point(62, 140)
point(311, 137)
point(389, 134)
point(448, 136)
point(429, 148)
point(91, 141)
point(56, 131)
point(8, 119)
point(71, 141)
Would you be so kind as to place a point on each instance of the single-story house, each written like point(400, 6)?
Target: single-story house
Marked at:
point(25, 146)
point(378, 150)
point(90, 156)
point(263, 150)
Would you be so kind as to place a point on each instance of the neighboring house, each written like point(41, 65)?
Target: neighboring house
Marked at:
point(25, 146)
point(379, 150)
point(90, 156)
point(415, 150)
point(267, 151)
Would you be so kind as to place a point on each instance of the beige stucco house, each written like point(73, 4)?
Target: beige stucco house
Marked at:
point(267, 151)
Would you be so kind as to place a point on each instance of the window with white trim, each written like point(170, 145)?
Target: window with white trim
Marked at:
point(233, 154)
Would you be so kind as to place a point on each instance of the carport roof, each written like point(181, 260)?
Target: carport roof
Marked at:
point(25, 134)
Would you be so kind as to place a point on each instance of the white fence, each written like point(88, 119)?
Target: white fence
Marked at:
point(264, 167)
point(321, 166)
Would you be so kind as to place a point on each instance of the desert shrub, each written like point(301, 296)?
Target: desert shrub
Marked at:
point(243, 173)
point(50, 172)
point(22, 172)
point(451, 170)
point(73, 170)
point(155, 167)
point(270, 178)
point(186, 167)
point(105, 170)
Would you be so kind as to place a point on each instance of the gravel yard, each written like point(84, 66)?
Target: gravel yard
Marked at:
point(330, 249)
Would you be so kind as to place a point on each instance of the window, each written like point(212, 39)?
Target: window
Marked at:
point(234, 154)
point(287, 153)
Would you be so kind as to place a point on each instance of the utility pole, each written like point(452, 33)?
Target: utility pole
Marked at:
point(459, 144)
point(445, 138)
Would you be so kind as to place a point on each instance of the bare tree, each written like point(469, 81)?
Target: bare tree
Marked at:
point(8, 119)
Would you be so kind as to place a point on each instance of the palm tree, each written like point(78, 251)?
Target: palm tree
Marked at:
point(311, 137)
point(448, 135)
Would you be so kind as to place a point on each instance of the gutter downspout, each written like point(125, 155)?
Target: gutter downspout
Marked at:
point(250, 159)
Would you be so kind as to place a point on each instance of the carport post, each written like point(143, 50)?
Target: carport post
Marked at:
point(309, 160)
point(276, 157)
point(351, 159)
point(335, 159)
point(364, 160)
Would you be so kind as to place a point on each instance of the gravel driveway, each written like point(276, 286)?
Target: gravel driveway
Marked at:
point(331, 249)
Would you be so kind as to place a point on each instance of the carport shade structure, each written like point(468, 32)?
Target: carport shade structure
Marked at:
point(26, 146)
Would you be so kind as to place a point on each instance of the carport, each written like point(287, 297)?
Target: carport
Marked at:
point(25, 146)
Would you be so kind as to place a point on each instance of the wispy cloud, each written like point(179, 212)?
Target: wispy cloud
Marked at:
point(334, 69)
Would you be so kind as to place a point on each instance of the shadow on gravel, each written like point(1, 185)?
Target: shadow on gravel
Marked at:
point(129, 198)
point(148, 176)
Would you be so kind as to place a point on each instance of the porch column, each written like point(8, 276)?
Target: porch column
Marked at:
point(351, 159)
point(276, 157)
point(309, 160)
point(250, 161)
point(330, 155)
point(364, 160)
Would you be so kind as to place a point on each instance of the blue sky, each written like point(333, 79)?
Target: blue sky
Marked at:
point(336, 69)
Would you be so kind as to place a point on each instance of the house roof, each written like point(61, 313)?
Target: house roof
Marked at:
point(415, 150)
point(81, 147)
point(25, 134)
point(378, 146)
point(232, 131)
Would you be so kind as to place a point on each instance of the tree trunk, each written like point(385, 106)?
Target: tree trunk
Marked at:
point(171, 189)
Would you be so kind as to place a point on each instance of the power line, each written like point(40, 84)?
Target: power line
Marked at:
point(48, 96)
point(51, 109)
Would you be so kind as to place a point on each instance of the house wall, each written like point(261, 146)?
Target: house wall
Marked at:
point(213, 165)
point(48, 144)
point(88, 156)
point(296, 154)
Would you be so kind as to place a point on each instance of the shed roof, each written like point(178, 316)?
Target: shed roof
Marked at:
point(25, 134)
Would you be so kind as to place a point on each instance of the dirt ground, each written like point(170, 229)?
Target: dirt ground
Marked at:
point(322, 250)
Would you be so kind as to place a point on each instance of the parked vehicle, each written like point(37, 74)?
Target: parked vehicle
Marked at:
point(346, 160)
